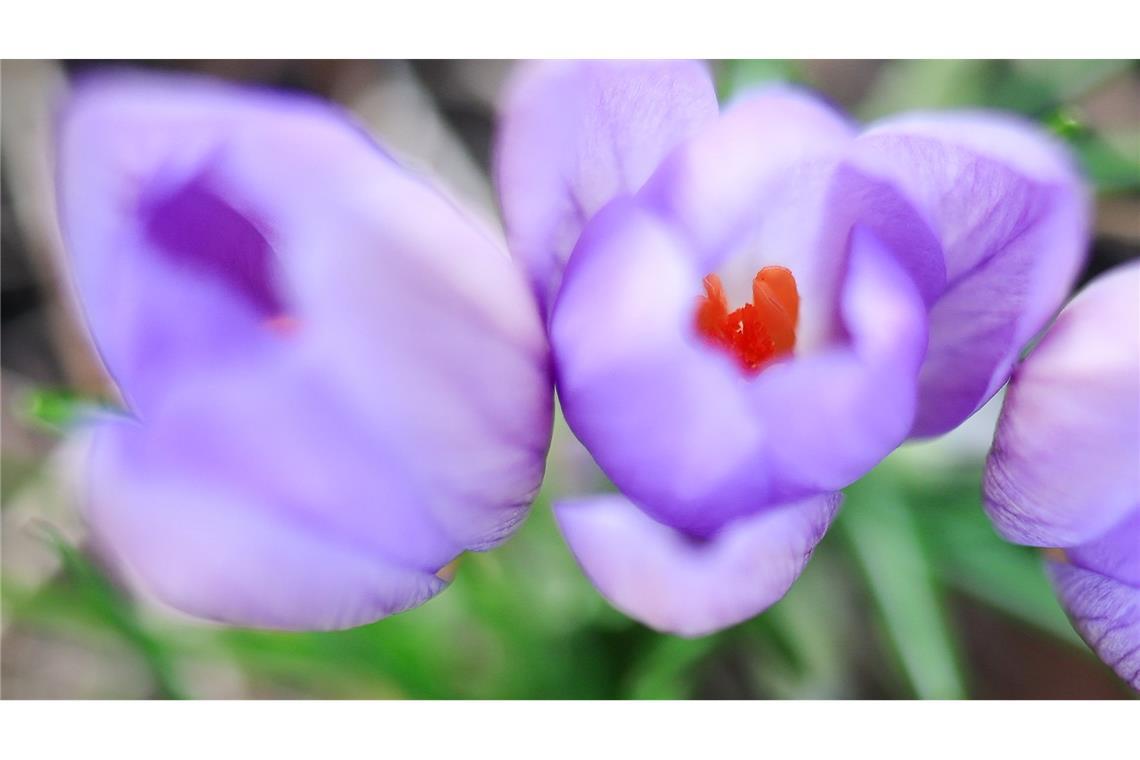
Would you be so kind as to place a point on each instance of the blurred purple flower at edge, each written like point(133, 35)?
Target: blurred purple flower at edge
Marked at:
point(337, 382)
point(926, 251)
point(1064, 471)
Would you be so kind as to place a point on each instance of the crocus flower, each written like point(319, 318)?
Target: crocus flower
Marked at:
point(749, 309)
point(336, 380)
point(1064, 470)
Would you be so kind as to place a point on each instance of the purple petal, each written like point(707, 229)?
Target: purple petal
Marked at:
point(1116, 554)
point(1106, 613)
point(750, 190)
point(630, 366)
point(674, 584)
point(1001, 234)
point(576, 134)
point(188, 526)
point(754, 156)
point(1065, 464)
point(838, 411)
point(431, 332)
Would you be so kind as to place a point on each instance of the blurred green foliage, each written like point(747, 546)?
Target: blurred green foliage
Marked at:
point(871, 616)
point(55, 408)
point(522, 622)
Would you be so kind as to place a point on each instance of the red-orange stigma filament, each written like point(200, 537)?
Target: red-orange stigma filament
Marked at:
point(758, 332)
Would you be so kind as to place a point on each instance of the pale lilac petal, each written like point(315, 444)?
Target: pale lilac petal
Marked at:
point(1115, 554)
point(1010, 218)
point(631, 368)
point(1065, 464)
point(431, 332)
point(284, 432)
point(838, 411)
point(731, 175)
point(1106, 613)
point(219, 550)
point(576, 134)
point(677, 585)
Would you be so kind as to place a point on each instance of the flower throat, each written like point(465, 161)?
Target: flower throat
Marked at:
point(759, 332)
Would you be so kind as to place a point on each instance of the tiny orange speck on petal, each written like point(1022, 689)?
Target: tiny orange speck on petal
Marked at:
point(448, 571)
point(283, 324)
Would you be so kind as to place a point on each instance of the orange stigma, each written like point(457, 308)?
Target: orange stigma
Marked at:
point(757, 332)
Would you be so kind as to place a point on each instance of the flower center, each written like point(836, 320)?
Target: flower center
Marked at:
point(758, 332)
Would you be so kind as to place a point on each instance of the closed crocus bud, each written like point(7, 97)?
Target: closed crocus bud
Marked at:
point(1064, 471)
point(336, 380)
point(749, 309)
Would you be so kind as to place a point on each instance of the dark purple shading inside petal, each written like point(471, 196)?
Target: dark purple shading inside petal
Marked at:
point(195, 228)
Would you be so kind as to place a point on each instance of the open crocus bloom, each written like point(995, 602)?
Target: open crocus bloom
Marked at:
point(748, 310)
point(1064, 471)
point(337, 381)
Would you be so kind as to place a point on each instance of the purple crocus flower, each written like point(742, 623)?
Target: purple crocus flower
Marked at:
point(1064, 471)
point(337, 381)
point(748, 310)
